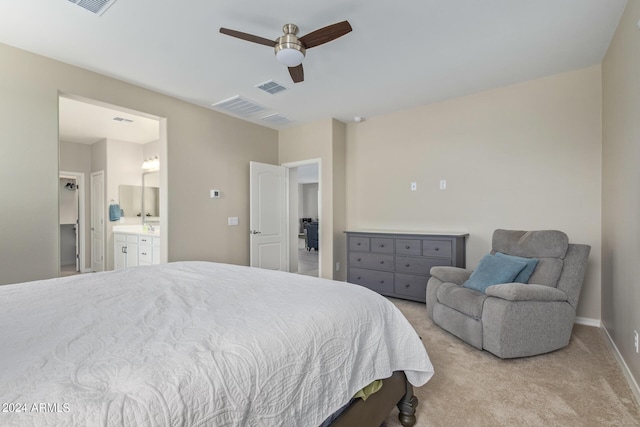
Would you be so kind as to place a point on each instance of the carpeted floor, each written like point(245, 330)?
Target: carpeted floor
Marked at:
point(580, 385)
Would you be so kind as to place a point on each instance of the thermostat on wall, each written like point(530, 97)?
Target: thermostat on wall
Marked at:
point(214, 194)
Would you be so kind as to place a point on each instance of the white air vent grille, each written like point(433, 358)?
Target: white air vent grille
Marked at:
point(271, 87)
point(277, 119)
point(95, 6)
point(240, 106)
point(122, 120)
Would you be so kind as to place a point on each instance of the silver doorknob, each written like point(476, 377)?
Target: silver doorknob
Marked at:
point(255, 232)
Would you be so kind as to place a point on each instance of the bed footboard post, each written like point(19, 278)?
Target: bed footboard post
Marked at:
point(407, 407)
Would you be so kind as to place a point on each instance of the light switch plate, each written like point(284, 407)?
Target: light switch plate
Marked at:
point(232, 220)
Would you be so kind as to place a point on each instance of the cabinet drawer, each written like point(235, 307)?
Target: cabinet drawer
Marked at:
point(381, 245)
point(409, 247)
point(371, 260)
point(413, 265)
point(145, 255)
point(146, 240)
point(359, 244)
point(411, 286)
point(439, 248)
point(379, 281)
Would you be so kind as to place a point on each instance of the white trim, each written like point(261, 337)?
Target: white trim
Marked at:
point(79, 177)
point(633, 384)
point(308, 162)
point(587, 321)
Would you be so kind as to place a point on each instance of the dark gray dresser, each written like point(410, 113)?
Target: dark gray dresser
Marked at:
point(398, 264)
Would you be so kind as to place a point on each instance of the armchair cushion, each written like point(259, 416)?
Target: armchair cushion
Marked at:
point(525, 274)
point(493, 270)
point(467, 301)
point(522, 292)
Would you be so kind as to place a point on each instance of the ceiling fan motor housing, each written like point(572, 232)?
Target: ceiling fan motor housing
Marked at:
point(289, 51)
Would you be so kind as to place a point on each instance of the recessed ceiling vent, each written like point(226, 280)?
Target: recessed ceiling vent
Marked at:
point(277, 119)
point(271, 87)
point(122, 120)
point(240, 106)
point(94, 6)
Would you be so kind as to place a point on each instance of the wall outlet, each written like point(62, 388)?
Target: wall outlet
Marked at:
point(635, 334)
point(414, 186)
point(443, 184)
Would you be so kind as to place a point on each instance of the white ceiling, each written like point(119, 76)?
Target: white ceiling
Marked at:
point(401, 53)
point(86, 123)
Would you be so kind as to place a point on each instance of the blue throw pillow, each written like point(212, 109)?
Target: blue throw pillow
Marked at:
point(493, 270)
point(525, 274)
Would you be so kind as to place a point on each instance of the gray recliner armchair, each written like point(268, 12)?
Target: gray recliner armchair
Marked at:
point(514, 319)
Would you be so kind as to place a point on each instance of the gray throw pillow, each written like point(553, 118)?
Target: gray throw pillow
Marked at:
point(525, 274)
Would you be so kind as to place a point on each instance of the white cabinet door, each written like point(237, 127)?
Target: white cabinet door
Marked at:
point(119, 251)
point(132, 250)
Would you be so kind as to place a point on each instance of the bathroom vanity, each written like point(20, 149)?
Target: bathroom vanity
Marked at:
point(135, 245)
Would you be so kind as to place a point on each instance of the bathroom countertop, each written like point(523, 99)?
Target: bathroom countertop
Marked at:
point(136, 229)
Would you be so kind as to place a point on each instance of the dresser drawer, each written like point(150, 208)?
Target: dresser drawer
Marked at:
point(357, 243)
point(411, 286)
point(439, 248)
point(414, 265)
point(381, 245)
point(379, 281)
point(409, 247)
point(371, 260)
point(145, 255)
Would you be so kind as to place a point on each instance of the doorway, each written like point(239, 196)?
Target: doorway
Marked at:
point(304, 217)
point(72, 223)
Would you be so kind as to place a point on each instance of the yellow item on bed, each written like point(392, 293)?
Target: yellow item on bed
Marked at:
point(367, 391)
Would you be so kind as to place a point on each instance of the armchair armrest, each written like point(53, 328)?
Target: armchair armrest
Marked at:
point(523, 292)
point(455, 275)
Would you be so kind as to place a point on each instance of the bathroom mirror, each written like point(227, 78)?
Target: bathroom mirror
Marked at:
point(151, 196)
point(131, 201)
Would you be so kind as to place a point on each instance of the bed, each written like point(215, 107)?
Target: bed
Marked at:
point(203, 344)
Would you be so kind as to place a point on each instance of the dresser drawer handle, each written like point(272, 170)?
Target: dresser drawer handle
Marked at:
point(407, 265)
point(359, 259)
point(436, 249)
point(407, 285)
point(382, 245)
point(381, 282)
point(358, 278)
point(358, 244)
point(381, 262)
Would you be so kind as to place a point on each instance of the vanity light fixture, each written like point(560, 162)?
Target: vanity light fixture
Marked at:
point(151, 164)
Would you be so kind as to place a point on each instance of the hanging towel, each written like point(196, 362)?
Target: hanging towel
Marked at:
point(114, 212)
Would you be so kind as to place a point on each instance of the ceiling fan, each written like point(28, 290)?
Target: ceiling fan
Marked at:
point(290, 49)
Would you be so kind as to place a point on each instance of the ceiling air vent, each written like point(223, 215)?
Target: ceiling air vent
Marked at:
point(240, 106)
point(122, 120)
point(277, 119)
point(94, 6)
point(271, 87)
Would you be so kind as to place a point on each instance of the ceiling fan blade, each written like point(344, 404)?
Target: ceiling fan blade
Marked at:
point(326, 34)
point(297, 73)
point(248, 37)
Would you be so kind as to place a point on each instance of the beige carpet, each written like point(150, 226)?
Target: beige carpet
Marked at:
point(580, 385)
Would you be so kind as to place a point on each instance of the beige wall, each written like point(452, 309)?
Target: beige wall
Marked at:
point(527, 156)
point(205, 150)
point(620, 194)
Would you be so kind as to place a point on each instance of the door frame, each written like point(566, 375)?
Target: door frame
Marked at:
point(81, 225)
point(290, 224)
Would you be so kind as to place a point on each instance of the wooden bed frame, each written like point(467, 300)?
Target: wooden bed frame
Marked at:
point(395, 391)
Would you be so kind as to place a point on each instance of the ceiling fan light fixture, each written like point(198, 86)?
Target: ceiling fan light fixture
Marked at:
point(290, 57)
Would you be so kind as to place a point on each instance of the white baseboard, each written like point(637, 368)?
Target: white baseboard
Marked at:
point(623, 365)
point(587, 321)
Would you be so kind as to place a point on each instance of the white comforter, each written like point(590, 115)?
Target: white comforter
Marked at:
point(195, 344)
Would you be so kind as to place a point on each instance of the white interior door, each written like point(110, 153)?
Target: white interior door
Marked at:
point(97, 221)
point(268, 216)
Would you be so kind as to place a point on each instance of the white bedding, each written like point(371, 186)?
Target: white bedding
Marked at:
point(195, 344)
